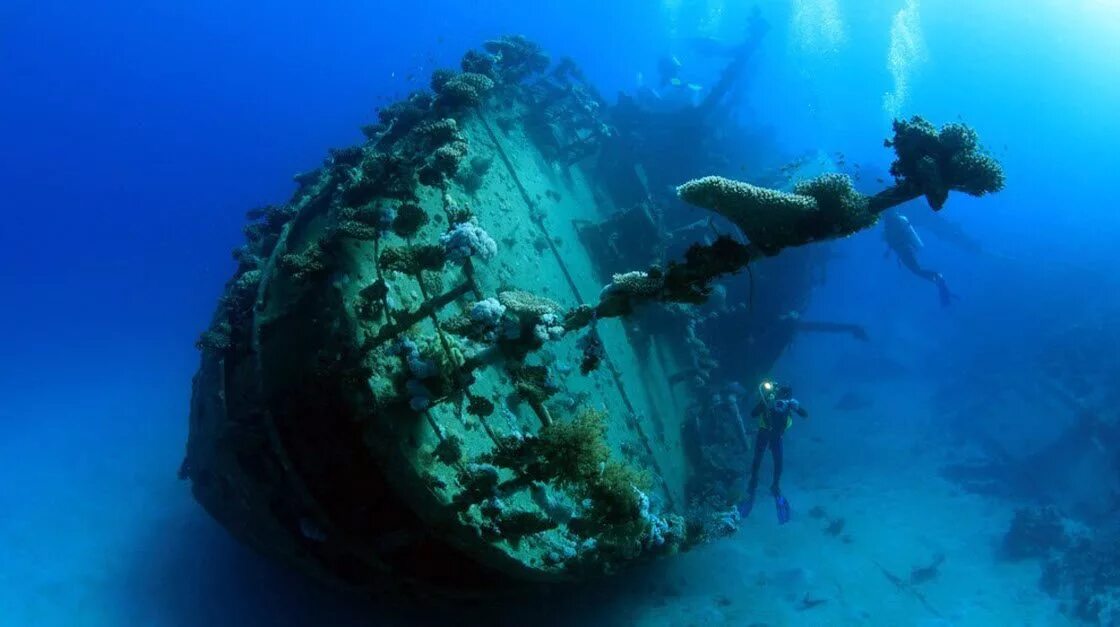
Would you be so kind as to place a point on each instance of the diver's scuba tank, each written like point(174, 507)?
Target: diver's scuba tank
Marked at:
point(911, 234)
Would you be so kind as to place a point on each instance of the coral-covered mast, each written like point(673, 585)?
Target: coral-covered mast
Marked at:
point(930, 163)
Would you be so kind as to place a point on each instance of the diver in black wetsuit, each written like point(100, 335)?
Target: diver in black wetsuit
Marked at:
point(904, 242)
point(774, 411)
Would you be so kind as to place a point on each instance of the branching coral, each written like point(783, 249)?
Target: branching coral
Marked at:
point(439, 78)
point(475, 62)
point(842, 210)
point(409, 219)
point(689, 281)
point(438, 132)
point(246, 258)
point(635, 283)
point(471, 177)
point(771, 219)
point(345, 157)
point(442, 164)
point(933, 162)
point(313, 261)
point(377, 216)
point(458, 214)
point(271, 217)
point(479, 482)
point(479, 406)
point(241, 293)
point(397, 119)
point(535, 320)
point(263, 232)
point(463, 90)
point(517, 57)
point(355, 230)
point(413, 259)
point(214, 340)
point(380, 174)
point(522, 303)
point(929, 163)
point(534, 383)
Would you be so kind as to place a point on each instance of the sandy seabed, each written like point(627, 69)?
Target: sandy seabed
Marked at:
point(96, 530)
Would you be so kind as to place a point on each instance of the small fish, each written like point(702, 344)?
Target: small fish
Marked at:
point(923, 574)
point(808, 602)
point(835, 527)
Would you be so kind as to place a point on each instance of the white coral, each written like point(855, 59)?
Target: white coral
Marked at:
point(468, 239)
point(487, 312)
point(548, 327)
point(634, 283)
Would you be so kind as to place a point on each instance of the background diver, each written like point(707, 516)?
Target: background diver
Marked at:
point(904, 242)
point(774, 411)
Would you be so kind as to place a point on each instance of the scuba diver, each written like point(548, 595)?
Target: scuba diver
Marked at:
point(672, 93)
point(774, 411)
point(903, 241)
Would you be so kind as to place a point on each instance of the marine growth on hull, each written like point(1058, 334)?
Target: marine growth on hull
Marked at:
point(417, 375)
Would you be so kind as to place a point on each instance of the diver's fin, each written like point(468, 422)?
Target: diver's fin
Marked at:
point(947, 297)
point(745, 507)
point(783, 509)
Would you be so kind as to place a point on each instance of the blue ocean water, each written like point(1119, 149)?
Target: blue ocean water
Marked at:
point(136, 134)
